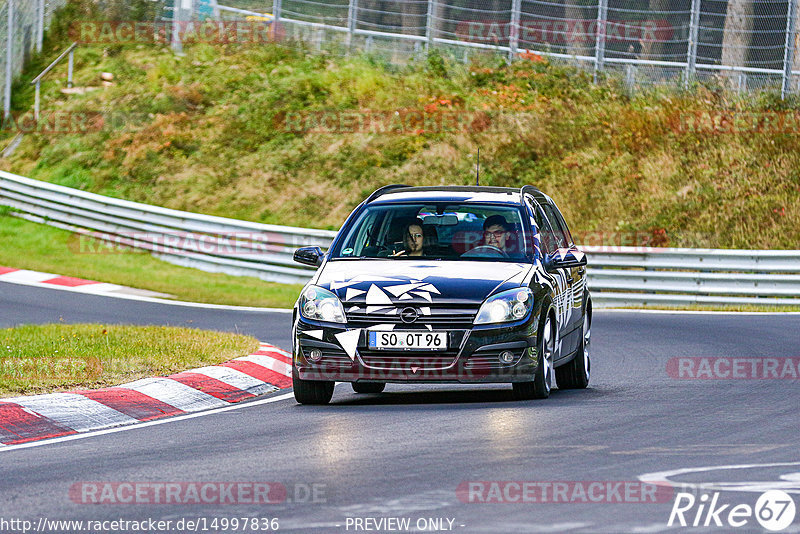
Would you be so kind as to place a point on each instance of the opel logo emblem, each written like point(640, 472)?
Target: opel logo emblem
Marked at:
point(409, 315)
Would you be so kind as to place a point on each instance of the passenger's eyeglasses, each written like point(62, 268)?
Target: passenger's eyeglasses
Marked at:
point(497, 235)
point(415, 236)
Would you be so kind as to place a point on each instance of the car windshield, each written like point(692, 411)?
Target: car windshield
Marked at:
point(438, 230)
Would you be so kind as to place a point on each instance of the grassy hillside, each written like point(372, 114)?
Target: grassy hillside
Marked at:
point(220, 131)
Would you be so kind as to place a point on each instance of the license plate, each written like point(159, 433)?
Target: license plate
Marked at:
point(408, 340)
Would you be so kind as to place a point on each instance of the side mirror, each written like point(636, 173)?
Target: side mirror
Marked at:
point(564, 259)
point(309, 256)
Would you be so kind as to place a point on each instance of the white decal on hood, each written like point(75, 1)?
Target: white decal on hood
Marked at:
point(353, 293)
point(375, 296)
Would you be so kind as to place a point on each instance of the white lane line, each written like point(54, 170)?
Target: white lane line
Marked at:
point(662, 478)
point(145, 424)
point(175, 394)
point(270, 363)
point(235, 378)
point(74, 411)
point(689, 312)
point(152, 300)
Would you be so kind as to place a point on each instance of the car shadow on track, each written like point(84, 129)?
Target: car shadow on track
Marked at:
point(467, 396)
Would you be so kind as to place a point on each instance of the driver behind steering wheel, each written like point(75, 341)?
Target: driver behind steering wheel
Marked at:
point(496, 232)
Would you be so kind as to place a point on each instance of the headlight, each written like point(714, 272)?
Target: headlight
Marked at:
point(321, 305)
point(511, 305)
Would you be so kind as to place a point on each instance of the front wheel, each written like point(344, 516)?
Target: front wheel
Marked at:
point(542, 382)
point(311, 391)
point(575, 374)
point(368, 387)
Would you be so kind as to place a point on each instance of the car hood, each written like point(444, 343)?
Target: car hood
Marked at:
point(395, 282)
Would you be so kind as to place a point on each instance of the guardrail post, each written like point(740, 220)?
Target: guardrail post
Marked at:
point(691, 49)
point(352, 21)
point(513, 36)
point(788, 53)
point(9, 59)
point(600, 38)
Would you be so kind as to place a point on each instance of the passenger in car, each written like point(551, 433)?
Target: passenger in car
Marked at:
point(415, 240)
point(497, 232)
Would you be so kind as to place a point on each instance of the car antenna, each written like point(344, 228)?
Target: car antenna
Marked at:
point(478, 169)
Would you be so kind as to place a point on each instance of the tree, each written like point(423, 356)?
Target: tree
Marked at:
point(737, 34)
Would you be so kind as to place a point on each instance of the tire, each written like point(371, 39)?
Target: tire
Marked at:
point(368, 387)
point(576, 373)
point(311, 391)
point(542, 382)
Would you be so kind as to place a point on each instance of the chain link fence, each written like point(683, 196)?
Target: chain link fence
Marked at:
point(743, 45)
point(22, 27)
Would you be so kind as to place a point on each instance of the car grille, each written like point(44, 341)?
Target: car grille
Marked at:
point(404, 361)
point(449, 318)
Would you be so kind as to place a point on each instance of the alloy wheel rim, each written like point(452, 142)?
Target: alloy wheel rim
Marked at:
point(547, 359)
point(587, 341)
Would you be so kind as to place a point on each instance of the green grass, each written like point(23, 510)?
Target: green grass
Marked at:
point(27, 245)
point(57, 357)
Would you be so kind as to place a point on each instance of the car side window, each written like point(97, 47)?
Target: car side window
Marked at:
point(563, 225)
point(559, 236)
point(546, 234)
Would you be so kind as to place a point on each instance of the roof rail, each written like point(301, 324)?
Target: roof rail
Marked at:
point(382, 190)
point(530, 189)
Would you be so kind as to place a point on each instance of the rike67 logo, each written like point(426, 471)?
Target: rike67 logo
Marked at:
point(774, 510)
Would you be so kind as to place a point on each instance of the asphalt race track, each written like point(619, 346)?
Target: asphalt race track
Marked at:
point(366, 463)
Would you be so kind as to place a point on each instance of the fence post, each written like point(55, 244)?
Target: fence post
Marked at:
point(513, 36)
point(37, 100)
point(9, 59)
point(691, 51)
point(276, 11)
point(39, 25)
point(788, 53)
point(600, 38)
point(352, 21)
point(69, 68)
point(430, 24)
point(177, 18)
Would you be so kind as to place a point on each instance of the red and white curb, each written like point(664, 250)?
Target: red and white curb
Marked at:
point(35, 278)
point(25, 419)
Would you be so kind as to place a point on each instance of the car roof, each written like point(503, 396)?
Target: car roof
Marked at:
point(454, 193)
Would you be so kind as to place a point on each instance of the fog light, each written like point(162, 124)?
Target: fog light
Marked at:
point(506, 356)
point(315, 355)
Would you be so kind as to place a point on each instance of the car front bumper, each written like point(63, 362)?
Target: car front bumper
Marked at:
point(472, 355)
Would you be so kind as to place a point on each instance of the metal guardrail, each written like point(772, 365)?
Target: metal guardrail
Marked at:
point(215, 244)
point(618, 276)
